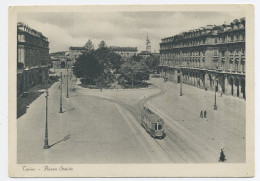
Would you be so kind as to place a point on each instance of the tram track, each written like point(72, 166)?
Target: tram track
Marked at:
point(135, 111)
point(171, 147)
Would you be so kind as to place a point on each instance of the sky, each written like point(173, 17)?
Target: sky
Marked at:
point(127, 29)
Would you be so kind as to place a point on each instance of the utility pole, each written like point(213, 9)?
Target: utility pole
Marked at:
point(132, 81)
point(180, 83)
point(46, 144)
point(60, 92)
point(67, 96)
point(215, 103)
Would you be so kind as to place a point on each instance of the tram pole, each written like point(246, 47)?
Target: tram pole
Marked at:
point(60, 92)
point(215, 102)
point(46, 144)
point(180, 83)
point(67, 96)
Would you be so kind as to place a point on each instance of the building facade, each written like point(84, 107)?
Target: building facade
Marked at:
point(211, 57)
point(32, 57)
point(125, 52)
point(61, 60)
point(75, 52)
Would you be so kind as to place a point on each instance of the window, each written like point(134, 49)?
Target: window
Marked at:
point(243, 52)
point(155, 126)
point(231, 39)
point(215, 52)
point(159, 126)
point(231, 53)
point(223, 53)
point(237, 37)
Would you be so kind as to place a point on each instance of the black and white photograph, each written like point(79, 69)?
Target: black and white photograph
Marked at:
point(131, 85)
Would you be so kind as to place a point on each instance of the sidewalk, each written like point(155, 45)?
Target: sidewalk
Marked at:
point(222, 128)
point(32, 94)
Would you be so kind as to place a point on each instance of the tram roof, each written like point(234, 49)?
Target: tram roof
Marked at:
point(151, 115)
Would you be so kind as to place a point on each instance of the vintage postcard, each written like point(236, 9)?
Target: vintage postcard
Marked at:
point(131, 91)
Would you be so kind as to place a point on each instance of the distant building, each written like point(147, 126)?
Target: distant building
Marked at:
point(211, 57)
point(144, 54)
point(147, 52)
point(75, 52)
point(61, 60)
point(125, 52)
point(32, 57)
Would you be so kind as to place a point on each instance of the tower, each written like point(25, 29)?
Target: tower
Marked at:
point(148, 44)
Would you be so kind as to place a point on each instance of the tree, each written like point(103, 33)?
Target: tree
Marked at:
point(134, 72)
point(152, 62)
point(89, 46)
point(110, 60)
point(102, 44)
point(87, 68)
point(135, 58)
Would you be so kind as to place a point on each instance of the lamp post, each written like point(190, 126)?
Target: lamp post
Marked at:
point(46, 144)
point(215, 103)
point(67, 96)
point(180, 83)
point(60, 92)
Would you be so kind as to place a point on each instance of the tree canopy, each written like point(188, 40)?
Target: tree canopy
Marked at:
point(87, 68)
point(133, 72)
point(152, 62)
point(89, 45)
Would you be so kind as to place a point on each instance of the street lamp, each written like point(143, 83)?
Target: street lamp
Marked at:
point(67, 96)
point(60, 92)
point(180, 84)
point(215, 103)
point(46, 144)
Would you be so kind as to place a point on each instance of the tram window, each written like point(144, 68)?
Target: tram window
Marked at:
point(155, 126)
point(159, 126)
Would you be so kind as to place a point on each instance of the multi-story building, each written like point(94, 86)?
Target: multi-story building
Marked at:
point(125, 52)
point(32, 57)
point(211, 57)
point(75, 52)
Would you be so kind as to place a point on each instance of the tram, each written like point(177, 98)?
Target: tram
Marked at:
point(152, 123)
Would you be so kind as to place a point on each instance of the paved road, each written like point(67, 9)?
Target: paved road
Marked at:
point(104, 127)
point(99, 130)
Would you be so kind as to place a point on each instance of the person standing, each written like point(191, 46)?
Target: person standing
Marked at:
point(201, 114)
point(205, 114)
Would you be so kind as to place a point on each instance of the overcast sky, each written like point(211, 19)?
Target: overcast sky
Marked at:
point(119, 28)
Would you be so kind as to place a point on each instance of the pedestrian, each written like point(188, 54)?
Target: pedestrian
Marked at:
point(201, 114)
point(205, 114)
point(222, 157)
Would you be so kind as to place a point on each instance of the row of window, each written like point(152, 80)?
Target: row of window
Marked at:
point(216, 52)
point(233, 66)
point(33, 40)
point(217, 40)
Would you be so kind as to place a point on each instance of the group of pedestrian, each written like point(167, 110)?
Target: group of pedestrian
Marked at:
point(203, 114)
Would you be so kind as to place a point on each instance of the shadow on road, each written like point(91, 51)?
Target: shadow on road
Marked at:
point(64, 139)
point(71, 109)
